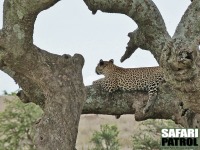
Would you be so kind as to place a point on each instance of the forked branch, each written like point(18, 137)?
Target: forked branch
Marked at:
point(180, 57)
point(19, 18)
point(189, 26)
point(151, 33)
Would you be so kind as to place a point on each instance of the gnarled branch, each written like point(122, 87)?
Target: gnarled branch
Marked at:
point(189, 28)
point(151, 33)
point(132, 45)
point(180, 58)
point(120, 103)
point(2, 40)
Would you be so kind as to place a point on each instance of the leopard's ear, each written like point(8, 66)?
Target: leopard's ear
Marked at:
point(111, 60)
point(101, 62)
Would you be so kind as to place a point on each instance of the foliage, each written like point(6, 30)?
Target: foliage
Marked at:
point(5, 92)
point(149, 134)
point(11, 94)
point(16, 122)
point(106, 138)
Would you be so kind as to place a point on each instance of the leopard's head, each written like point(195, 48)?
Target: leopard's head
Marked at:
point(104, 67)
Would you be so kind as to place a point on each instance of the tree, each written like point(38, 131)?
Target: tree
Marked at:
point(55, 82)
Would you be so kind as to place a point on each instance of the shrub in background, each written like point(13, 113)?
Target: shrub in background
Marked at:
point(106, 138)
point(16, 123)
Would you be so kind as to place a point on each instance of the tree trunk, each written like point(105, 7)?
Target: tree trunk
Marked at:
point(52, 81)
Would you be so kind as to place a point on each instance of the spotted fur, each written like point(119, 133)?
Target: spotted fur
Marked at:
point(128, 79)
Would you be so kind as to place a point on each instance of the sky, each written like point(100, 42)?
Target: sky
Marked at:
point(69, 27)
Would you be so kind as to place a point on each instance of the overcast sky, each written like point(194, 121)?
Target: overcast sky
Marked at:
point(69, 27)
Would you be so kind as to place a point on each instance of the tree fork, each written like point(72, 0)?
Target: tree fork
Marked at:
point(177, 55)
point(52, 81)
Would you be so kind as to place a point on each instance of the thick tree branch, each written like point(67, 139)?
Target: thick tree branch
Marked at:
point(40, 5)
point(119, 103)
point(184, 47)
point(18, 20)
point(189, 28)
point(180, 58)
point(1, 40)
point(31, 93)
point(151, 33)
point(184, 51)
point(181, 55)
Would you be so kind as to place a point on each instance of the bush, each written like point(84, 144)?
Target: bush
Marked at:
point(16, 123)
point(106, 138)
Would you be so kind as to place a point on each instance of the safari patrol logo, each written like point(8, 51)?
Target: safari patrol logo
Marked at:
point(183, 139)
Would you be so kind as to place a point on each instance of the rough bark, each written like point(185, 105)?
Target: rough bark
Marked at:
point(177, 55)
point(52, 81)
point(167, 105)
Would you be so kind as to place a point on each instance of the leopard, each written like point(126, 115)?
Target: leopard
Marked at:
point(130, 79)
